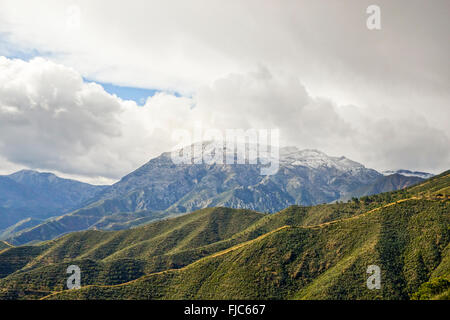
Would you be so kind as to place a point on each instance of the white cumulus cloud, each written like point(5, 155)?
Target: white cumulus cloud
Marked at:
point(50, 119)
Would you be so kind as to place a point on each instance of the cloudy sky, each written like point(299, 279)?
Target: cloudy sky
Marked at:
point(94, 89)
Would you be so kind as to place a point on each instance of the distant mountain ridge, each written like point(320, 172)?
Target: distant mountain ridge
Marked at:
point(161, 188)
point(35, 196)
point(388, 183)
point(65, 193)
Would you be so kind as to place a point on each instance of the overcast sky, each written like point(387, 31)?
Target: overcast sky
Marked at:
point(310, 68)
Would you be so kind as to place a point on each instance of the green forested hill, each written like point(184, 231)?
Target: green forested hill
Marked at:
point(319, 252)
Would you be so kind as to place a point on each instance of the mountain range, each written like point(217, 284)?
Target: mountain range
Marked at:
point(300, 252)
point(29, 197)
point(161, 189)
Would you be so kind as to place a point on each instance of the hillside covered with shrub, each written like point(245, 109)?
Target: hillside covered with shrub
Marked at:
point(315, 252)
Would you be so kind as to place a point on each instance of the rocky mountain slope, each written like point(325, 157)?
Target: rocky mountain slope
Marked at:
point(384, 184)
point(161, 188)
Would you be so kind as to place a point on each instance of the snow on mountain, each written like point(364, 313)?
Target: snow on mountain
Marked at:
point(163, 187)
point(312, 158)
point(202, 152)
point(219, 152)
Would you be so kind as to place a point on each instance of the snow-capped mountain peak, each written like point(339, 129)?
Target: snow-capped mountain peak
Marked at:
point(287, 156)
point(313, 158)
